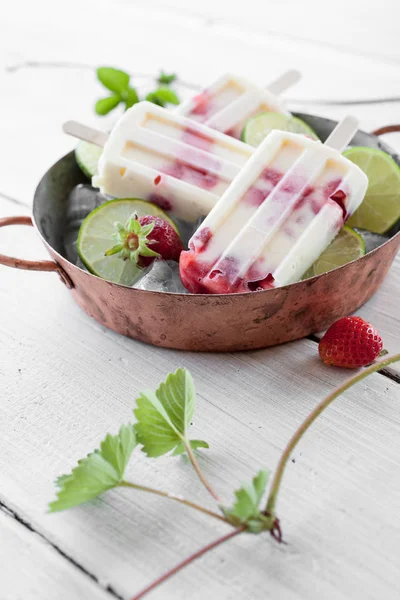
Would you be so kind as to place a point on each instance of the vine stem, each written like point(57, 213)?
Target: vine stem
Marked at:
point(189, 560)
point(175, 498)
point(196, 467)
point(276, 482)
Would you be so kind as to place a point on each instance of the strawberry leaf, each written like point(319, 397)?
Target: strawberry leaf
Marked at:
point(98, 472)
point(194, 444)
point(117, 449)
point(163, 416)
point(246, 508)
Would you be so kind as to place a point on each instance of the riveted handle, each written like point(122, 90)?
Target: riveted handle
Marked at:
point(31, 265)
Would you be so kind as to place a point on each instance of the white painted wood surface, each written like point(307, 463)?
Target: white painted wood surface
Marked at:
point(65, 380)
point(32, 568)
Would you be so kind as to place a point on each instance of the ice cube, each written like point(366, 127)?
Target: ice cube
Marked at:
point(162, 276)
point(186, 229)
point(372, 240)
point(81, 201)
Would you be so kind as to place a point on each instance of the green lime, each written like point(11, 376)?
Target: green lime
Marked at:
point(96, 236)
point(87, 156)
point(380, 209)
point(347, 246)
point(257, 128)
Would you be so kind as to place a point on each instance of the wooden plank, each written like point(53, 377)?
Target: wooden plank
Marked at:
point(67, 381)
point(77, 89)
point(348, 28)
point(32, 568)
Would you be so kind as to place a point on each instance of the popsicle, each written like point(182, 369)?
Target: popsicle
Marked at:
point(155, 154)
point(230, 101)
point(280, 213)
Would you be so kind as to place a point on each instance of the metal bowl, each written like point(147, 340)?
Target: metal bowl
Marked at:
point(206, 322)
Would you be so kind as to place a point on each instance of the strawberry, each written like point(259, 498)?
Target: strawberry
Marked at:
point(163, 238)
point(351, 342)
point(146, 238)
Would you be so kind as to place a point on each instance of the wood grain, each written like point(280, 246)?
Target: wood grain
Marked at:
point(65, 380)
point(32, 568)
point(68, 381)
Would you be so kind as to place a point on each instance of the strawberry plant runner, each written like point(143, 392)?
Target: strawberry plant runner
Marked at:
point(163, 420)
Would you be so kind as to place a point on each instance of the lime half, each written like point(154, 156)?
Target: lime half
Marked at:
point(257, 128)
point(348, 245)
point(380, 209)
point(87, 156)
point(96, 236)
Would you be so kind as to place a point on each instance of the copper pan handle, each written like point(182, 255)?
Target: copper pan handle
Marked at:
point(387, 129)
point(31, 265)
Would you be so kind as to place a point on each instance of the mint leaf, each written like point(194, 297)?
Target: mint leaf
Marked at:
point(163, 417)
point(130, 97)
point(98, 472)
point(113, 79)
point(166, 79)
point(105, 105)
point(248, 497)
point(194, 444)
point(163, 96)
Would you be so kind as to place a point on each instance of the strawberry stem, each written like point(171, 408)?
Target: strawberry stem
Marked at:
point(276, 482)
point(175, 498)
point(189, 560)
point(200, 475)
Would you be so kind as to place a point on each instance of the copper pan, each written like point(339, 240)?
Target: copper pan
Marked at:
point(201, 322)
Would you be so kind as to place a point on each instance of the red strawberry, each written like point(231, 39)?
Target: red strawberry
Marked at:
point(144, 239)
point(163, 239)
point(351, 342)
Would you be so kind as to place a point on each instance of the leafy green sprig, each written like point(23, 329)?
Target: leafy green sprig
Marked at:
point(163, 419)
point(122, 92)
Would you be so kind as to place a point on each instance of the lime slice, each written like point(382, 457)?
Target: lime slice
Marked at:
point(96, 236)
point(87, 156)
point(380, 209)
point(347, 246)
point(257, 128)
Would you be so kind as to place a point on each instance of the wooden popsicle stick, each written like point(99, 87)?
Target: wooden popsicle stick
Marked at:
point(87, 134)
point(342, 134)
point(284, 82)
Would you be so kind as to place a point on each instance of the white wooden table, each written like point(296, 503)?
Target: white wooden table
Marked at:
point(65, 380)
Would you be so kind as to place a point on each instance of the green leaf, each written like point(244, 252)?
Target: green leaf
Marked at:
point(194, 444)
point(248, 498)
point(163, 417)
point(163, 96)
point(130, 97)
point(98, 472)
point(152, 97)
point(166, 79)
point(106, 105)
point(117, 449)
point(113, 79)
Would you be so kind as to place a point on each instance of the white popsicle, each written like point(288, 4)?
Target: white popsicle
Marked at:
point(180, 165)
point(280, 213)
point(230, 101)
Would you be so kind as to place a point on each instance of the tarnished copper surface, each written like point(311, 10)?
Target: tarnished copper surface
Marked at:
point(198, 322)
point(233, 321)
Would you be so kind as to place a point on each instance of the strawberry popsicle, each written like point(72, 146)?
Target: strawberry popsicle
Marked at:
point(230, 101)
point(280, 213)
point(154, 154)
